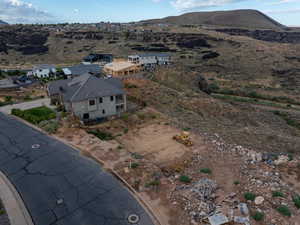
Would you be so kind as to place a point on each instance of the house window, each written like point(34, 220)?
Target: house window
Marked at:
point(86, 116)
point(100, 100)
point(112, 98)
point(92, 102)
point(103, 111)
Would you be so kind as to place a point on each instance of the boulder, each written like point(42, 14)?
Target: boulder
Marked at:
point(283, 159)
point(259, 200)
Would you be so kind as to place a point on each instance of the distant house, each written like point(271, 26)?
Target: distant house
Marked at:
point(44, 71)
point(121, 68)
point(89, 97)
point(103, 57)
point(150, 59)
point(81, 69)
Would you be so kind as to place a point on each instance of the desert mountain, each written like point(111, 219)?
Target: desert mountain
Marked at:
point(236, 18)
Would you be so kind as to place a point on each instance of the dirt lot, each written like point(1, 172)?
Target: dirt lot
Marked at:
point(155, 140)
point(143, 152)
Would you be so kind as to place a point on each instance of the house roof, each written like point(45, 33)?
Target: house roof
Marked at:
point(86, 87)
point(81, 69)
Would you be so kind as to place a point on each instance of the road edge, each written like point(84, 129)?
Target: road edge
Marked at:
point(13, 203)
point(148, 208)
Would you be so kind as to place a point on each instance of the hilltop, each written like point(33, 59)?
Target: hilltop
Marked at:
point(235, 18)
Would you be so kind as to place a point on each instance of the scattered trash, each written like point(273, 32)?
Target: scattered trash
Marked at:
point(244, 209)
point(218, 219)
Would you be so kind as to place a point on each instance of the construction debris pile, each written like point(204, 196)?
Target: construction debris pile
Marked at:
point(261, 173)
point(198, 198)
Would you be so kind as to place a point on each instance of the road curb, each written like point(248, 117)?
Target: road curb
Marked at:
point(13, 203)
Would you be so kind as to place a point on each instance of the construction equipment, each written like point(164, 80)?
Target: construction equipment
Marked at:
point(184, 138)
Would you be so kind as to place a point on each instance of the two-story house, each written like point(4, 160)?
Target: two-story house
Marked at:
point(150, 59)
point(89, 97)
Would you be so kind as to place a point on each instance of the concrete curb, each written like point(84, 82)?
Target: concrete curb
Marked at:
point(13, 203)
point(133, 192)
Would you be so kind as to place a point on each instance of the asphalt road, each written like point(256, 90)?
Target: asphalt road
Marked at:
point(57, 185)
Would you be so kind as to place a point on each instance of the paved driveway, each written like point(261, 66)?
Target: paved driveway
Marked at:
point(58, 185)
point(26, 105)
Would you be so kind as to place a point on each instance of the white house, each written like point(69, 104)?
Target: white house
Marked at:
point(44, 71)
point(150, 59)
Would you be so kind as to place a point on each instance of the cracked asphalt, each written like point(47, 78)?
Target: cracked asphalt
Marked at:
point(58, 185)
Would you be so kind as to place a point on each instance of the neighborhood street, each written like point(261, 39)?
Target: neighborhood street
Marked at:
point(58, 185)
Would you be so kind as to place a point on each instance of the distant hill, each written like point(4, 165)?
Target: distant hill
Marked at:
point(2, 22)
point(237, 18)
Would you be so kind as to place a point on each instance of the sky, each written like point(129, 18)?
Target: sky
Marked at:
point(286, 12)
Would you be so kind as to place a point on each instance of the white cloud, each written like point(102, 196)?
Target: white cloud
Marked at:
point(17, 11)
point(76, 10)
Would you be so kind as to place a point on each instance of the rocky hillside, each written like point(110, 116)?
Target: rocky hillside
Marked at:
point(236, 18)
point(24, 39)
point(266, 35)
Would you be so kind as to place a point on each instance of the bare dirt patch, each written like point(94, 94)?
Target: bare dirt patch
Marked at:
point(155, 140)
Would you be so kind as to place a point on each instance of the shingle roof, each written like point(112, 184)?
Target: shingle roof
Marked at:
point(86, 87)
point(81, 69)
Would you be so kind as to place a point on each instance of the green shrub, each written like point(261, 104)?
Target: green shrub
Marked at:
point(236, 182)
point(49, 126)
point(276, 194)
point(206, 170)
point(134, 165)
point(213, 87)
point(296, 201)
point(2, 211)
point(153, 183)
point(126, 130)
point(185, 179)
point(8, 98)
point(130, 86)
point(17, 112)
point(284, 210)
point(249, 196)
point(258, 216)
point(104, 136)
point(125, 117)
point(35, 115)
point(136, 155)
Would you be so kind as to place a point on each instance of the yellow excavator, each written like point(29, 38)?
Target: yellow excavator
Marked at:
point(184, 138)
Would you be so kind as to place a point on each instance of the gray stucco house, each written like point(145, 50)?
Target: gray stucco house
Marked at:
point(89, 97)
